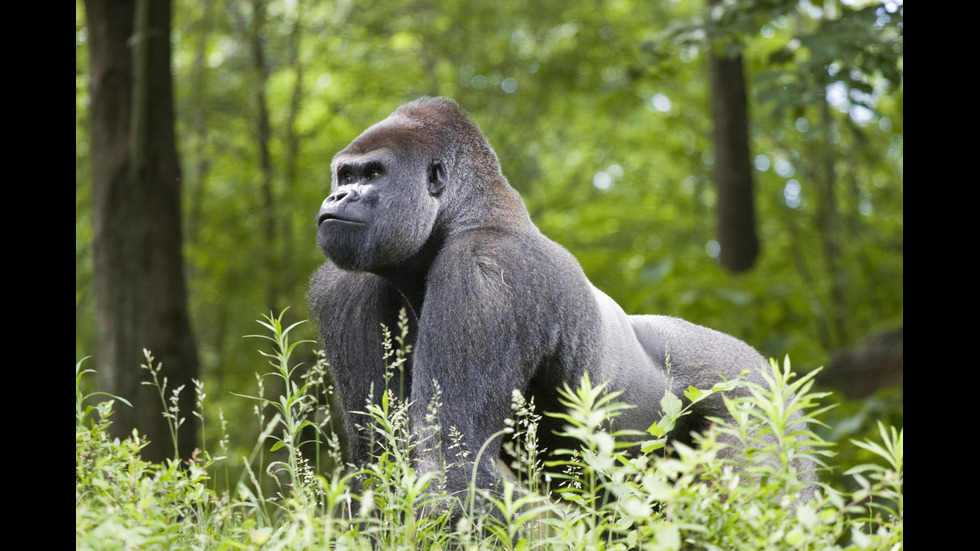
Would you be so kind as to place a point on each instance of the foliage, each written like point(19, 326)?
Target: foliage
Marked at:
point(123, 502)
point(606, 496)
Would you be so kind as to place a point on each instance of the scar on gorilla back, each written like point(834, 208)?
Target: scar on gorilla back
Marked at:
point(420, 217)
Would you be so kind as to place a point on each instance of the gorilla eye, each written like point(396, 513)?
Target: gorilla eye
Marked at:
point(347, 179)
point(374, 170)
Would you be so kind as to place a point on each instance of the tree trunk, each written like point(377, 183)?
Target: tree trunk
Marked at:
point(733, 163)
point(828, 214)
point(140, 293)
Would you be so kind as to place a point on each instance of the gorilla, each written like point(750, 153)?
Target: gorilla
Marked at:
point(420, 218)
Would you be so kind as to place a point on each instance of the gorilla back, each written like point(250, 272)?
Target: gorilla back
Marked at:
point(420, 217)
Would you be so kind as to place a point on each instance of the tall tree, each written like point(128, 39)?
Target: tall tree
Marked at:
point(733, 165)
point(140, 292)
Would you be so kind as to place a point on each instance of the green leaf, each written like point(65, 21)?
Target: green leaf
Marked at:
point(670, 405)
point(693, 393)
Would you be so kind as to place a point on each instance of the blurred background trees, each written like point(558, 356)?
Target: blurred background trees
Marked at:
point(601, 113)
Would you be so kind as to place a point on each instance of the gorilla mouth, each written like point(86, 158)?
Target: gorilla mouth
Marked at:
point(336, 219)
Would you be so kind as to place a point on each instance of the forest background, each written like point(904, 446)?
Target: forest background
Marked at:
point(601, 114)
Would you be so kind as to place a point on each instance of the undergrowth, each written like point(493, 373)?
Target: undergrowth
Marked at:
point(603, 495)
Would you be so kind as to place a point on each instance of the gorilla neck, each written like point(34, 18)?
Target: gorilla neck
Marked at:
point(409, 277)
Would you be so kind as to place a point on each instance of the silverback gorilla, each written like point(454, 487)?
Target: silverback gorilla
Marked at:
point(420, 218)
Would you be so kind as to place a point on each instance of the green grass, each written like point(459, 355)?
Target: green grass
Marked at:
point(602, 495)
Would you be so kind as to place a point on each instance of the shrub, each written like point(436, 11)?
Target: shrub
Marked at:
point(602, 495)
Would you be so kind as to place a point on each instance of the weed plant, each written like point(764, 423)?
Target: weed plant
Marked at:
point(614, 491)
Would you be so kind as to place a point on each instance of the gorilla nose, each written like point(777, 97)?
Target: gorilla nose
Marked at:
point(349, 193)
point(336, 202)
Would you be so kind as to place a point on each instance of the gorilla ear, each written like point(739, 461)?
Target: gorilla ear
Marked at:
point(437, 177)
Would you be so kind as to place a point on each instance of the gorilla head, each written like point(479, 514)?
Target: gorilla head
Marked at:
point(420, 218)
point(389, 193)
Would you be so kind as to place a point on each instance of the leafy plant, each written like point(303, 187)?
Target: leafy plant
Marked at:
point(607, 493)
point(123, 502)
point(293, 409)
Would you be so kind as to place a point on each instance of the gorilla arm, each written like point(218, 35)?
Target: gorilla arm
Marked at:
point(350, 308)
point(490, 315)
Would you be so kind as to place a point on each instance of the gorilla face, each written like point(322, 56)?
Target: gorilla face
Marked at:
point(382, 207)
